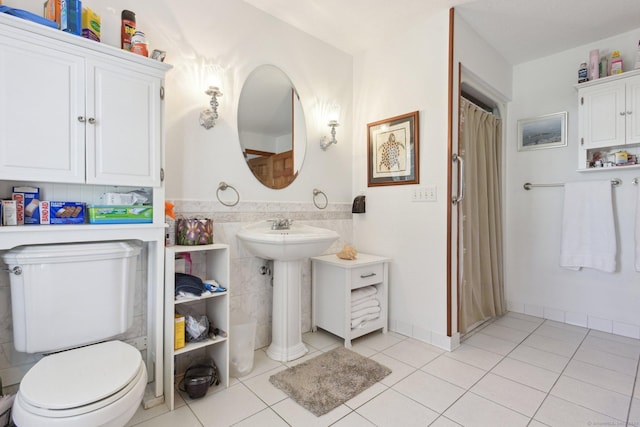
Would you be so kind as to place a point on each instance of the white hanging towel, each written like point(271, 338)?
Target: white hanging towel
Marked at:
point(638, 230)
point(588, 230)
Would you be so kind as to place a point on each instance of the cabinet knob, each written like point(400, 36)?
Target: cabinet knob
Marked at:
point(92, 120)
point(629, 113)
point(81, 119)
point(622, 113)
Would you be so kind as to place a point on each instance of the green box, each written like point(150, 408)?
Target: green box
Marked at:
point(114, 214)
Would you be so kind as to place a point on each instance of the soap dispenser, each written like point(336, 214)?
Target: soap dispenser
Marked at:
point(358, 205)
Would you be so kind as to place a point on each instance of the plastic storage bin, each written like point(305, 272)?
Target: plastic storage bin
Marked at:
point(241, 345)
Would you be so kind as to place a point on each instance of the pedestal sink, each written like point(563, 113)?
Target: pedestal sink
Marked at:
point(287, 248)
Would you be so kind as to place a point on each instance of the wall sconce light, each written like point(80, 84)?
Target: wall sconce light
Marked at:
point(209, 116)
point(334, 113)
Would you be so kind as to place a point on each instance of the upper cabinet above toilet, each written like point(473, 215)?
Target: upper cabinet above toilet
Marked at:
point(75, 111)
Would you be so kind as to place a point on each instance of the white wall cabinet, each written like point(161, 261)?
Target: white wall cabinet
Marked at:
point(332, 281)
point(208, 262)
point(52, 84)
point(77, 116)
point(609, 115)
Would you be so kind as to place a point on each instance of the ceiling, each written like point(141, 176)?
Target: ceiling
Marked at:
point(521, 30)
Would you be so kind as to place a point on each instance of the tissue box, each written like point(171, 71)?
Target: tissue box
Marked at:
point(61, 212)
point(120, 214)
point(192, 231)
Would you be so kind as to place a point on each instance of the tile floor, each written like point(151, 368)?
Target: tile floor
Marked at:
point(516, 371)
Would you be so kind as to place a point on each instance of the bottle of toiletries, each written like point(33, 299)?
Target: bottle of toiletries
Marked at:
point(604, 66)
point(616, 63)
point(583, 73)
point(594, 64)
point(128, 29)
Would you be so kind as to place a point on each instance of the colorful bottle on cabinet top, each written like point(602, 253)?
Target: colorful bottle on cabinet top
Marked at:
point(616, 63)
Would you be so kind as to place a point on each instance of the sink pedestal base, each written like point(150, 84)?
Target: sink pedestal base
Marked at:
point(286, 334)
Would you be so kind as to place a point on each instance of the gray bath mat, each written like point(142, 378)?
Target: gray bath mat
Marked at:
point(326, 381)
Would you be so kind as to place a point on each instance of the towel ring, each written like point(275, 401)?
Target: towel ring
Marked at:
point(223, 186)
point(315, 194)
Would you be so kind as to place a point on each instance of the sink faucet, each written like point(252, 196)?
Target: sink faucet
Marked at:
point(281, 224)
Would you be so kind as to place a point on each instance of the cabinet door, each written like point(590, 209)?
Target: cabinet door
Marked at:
point(632, 112)
point(601, 124)
point(123, 143)
point(41, 113)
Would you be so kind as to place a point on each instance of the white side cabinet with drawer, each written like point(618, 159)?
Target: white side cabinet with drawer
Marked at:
point(333, 280)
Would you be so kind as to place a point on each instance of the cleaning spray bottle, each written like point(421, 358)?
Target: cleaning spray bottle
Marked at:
point(170, 223)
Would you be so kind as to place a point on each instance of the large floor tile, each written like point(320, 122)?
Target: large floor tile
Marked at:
point(509, 334)
point(353, 420)
point(430, 391)
point(227, 407)
point(513, 395)
point(379, 341)
point(612, 337)
point(443, 421)
point(399, 370)
point(617, 348)
point(475, 356)
point(146, 414)
point(607, 360)
point(392, 409)
point(262, 388)
point(540, 358)
point(472, 410)
point(603, 401)
point(556, 412)
point(562, 334)
point(490, 343)
point(321, 339)
point(551, 345)
point(182, 417)
point(574, 328)
point(264, 418)
point(601, 377)
point(296, 415)
point(526, 373)
point(453, 371)
point(413, 353)
point(518, 323)
point(634, 413)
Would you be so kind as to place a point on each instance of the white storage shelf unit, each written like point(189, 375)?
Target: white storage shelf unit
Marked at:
point(332, 281)
point(208, 262)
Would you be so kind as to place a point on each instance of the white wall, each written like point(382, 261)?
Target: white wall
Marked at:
point(405, 73)
point(535, 283)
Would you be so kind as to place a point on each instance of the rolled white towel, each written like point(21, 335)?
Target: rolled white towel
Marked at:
point(362, 320)
point(361, 293)
point(372, 302)
point(364, 312)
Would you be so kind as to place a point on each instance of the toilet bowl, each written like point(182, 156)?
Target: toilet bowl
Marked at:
point(97, 385)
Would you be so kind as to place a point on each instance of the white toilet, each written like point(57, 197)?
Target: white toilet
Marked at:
point(69, 299)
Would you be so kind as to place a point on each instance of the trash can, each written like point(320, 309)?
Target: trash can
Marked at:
point(242, 339)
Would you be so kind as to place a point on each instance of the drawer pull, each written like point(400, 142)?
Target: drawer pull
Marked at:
point(364, 276)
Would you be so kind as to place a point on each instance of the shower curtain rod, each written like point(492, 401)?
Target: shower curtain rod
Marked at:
point(529, 186)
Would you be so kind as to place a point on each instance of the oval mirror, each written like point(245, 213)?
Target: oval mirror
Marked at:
point(271, 127)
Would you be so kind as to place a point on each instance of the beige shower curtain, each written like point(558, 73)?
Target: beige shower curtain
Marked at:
point(481, 276)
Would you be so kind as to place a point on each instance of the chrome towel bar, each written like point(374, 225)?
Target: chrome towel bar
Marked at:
point(529, 186)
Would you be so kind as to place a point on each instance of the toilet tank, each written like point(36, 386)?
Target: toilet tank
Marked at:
point(69, 295)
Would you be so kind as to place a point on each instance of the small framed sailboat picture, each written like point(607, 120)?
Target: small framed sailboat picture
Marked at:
point(549, 131)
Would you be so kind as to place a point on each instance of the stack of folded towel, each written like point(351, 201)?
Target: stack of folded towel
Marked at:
point(365, 306)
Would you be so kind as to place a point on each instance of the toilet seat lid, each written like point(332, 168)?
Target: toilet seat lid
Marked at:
point(81, 376)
